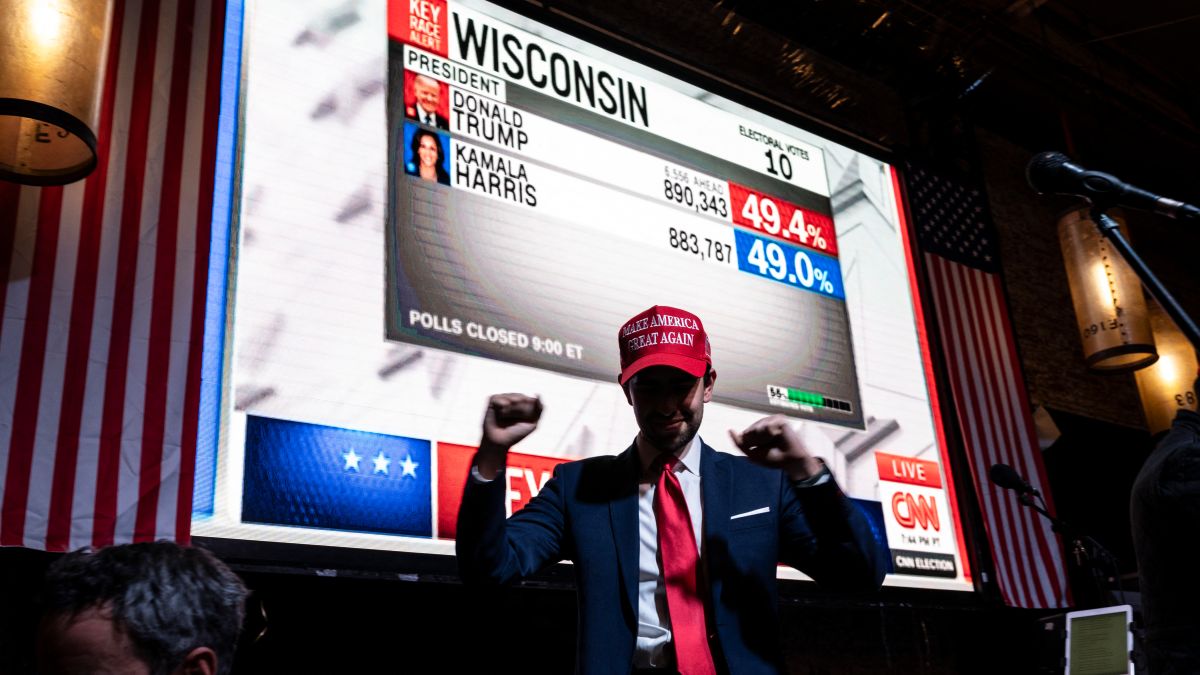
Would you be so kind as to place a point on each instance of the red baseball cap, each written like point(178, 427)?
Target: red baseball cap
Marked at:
point(663, 336)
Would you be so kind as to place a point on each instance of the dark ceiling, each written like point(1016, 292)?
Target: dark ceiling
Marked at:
point(1115, 84)
point(1112, 83)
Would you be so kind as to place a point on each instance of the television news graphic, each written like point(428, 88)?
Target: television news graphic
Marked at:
point(368, 300)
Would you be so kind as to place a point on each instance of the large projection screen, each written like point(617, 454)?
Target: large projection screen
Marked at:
point(438, 200)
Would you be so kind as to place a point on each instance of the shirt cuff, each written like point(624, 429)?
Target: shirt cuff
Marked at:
point(478, 477)
point(820, 478)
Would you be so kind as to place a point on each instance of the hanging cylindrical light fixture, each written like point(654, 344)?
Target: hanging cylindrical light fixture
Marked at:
point(1169, 384)
point(52, 55)
point(1109, 305)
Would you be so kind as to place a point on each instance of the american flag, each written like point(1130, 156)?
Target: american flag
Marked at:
point(102, 284)
point(962, 263)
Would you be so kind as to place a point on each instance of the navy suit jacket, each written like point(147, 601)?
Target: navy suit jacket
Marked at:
point(588, 513)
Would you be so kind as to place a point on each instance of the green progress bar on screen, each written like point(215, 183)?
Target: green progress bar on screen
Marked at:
point(798, 398)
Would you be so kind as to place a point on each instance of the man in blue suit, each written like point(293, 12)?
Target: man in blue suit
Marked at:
point(674, 545)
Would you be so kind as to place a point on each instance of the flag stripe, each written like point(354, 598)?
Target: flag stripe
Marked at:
point(45, 434)
point(962, 265)
point(154, 411)
point(975, 413)
point(968, 373)
point(1053, 585)
point(960, 372)
point(1003, 451)
point(16, 306)
point(204, 215)
point(10, 199)
point(89, 465)
point(102, 317)
point(138, 355)
point(1013, 451)
point(197, 16)
point(29, 378)
point(107, 483)
point(130, 497)
point(988, 416)
point(1016, 453)
point(83, 301)
point(988, 390)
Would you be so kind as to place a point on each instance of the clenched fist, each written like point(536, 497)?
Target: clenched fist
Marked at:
point(773, 442)
point(509, 419)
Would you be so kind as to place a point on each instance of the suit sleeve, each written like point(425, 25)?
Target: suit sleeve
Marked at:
point(826, 536)
point(493, 550)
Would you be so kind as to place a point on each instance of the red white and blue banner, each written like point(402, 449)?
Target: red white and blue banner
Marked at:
point(102, 285)
point(963, 267)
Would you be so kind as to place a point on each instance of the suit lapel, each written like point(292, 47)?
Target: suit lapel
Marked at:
point(623, 512)
point(716, 490)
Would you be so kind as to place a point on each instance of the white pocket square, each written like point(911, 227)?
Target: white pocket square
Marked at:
point(755, 512)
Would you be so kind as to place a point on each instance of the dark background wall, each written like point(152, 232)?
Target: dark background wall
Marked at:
point(1039, 299)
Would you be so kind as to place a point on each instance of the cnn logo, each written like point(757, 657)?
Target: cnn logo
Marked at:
point(911, 511)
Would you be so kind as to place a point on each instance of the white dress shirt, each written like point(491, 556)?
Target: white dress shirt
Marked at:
point(654, 625)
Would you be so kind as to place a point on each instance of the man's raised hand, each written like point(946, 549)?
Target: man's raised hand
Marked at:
point(509, 419)
point(771, 441)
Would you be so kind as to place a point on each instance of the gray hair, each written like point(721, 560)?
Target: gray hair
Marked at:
point(168, 599)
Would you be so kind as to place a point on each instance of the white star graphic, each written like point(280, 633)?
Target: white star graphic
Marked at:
point(352, 458)
point(381, 463)
point(409, 466)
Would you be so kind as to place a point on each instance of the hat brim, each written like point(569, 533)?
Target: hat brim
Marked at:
point(692, 366)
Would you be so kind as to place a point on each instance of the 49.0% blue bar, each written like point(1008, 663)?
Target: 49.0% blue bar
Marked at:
point(788, 264)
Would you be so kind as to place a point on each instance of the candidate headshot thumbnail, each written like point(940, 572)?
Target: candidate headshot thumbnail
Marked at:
point(426, 154)
point(426, 100)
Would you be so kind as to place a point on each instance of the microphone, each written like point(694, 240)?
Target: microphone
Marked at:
point(1054, 172)
point(1007, 477)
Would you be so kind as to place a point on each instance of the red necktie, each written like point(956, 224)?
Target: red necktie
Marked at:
point(681, 572)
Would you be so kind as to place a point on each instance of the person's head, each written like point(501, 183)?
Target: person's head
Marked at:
point(427, 92)
point(667, 374)
point(426, 149)
point(152, 608)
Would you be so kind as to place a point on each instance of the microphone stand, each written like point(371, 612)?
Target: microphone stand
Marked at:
point(1109, 228)
point(1084, 548)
